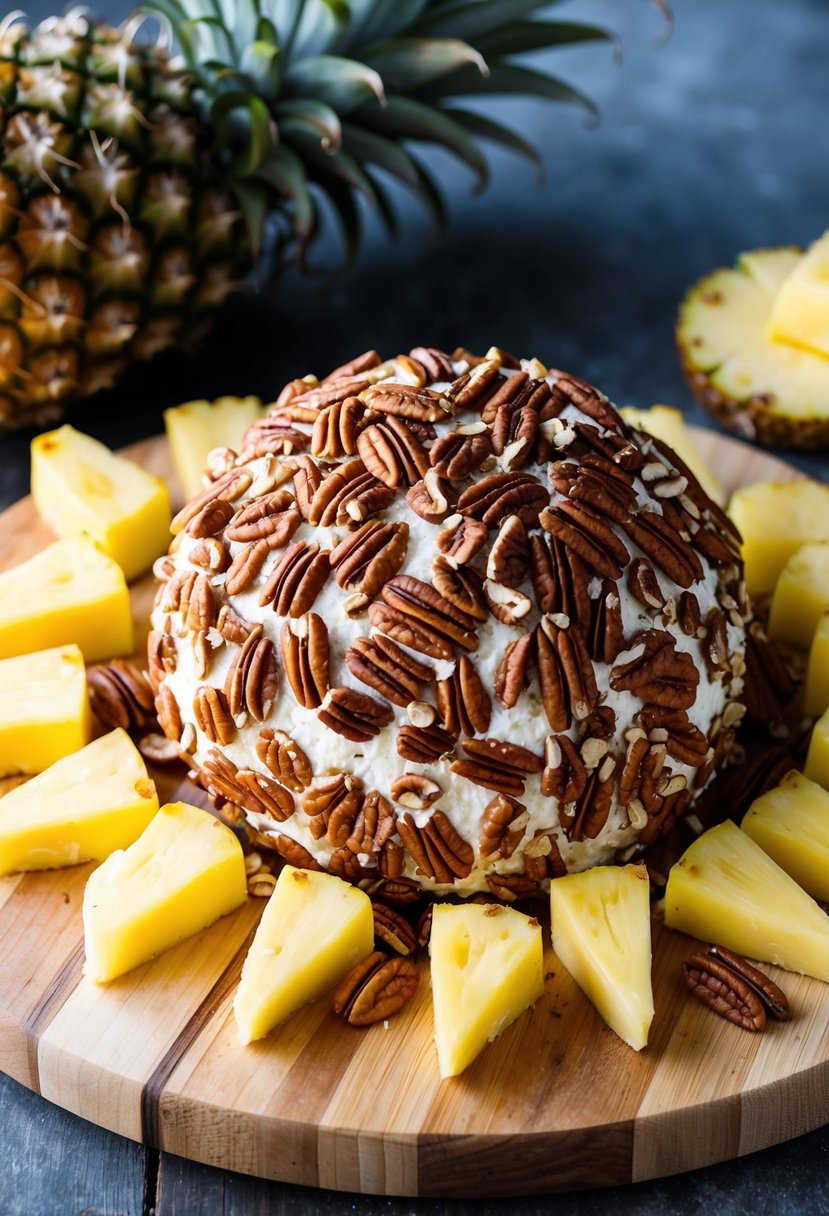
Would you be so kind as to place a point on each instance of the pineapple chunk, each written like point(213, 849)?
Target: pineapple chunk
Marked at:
point(487, 967)
point(775, 518)
point(668, 424)
point(314, 929)
point(196, 428)
point(801, 594)
point(800, 313)
point(183, 872)
point(725, 889)
point(817, 761)
point(44, 709)
point(69, 592)
point(791, 824)
point(816, 687)
point(78, 485)
point(601, 921)
point(81, 809)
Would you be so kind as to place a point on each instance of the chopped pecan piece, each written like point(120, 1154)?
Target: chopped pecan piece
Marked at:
point(438, 849)
point(658, 673)
point(716, 642)
point(366, 559)
point(305, 655)
point(463, 702)
point(644, 584)
point(387, 668)
point(497, 765)
point(565, 773)
point(251, 683)
point(542, 858)
point(284, 758)
point(584, 819)
point(393, 930)
point(415, 791)
point(353, 714)
point(417, 616)
point(376, 989)
point(297, 579)
point(392, 453)
point(509, 887)
point(607, 638)
point(503, 826)
point(507, 604)
point(424, 744)
point(432, 498)
point(210, 554)
point(121, 695)
point(333, 804)
point(461, 539)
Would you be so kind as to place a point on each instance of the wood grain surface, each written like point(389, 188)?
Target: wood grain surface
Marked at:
point(557, 1102)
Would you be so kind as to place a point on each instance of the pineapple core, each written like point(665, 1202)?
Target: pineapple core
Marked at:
point(78, 485)
point(801, 594)
point(69, 592)
point(314, 929)
point(81, 809)
point(800, 312)
point(44, 709)
point(601, 922)
point(183, 872)
point(775, 518)
point(791, 824)
point(668, 424)
point(196, 428)
point(487, 967)
point(725, 889)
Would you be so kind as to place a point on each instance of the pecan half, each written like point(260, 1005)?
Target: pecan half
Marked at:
point(408, 401)
point(565, 773)
point(644, 584)
point(513, 674)
point(245, 566)
point(210, 554)
point(463, 703)
point(305, 656)
point(228, 488)
point(251, 683)
point(768, 685)
point(333, 804)
point(607, 638)
point(584, 819)
point(374, 825)
point(212, 714)
point(503, 825)
point(353, 714)
point(393, 930)
point(495, 497)
point(507, 604)
point(461, 539)
point(355, 367)
point(509, 558)
point(376, 989)
point(589, 536)
point(283, 757)
point(296, 580)
point(461, 586)
point(384, 666)
point(210, 519)
point(724, 991)
point(307, 480)
point(418, 616)
point(392, 453)
point(542, 858)
point(773, 997)
point(162, 655)
point(366, 559)
point(659, 673)
point(121, 695)
point(336, 428)
point(566, 678)
point(424, 744)
point(438, 849)
point(663, 544)
point(458, 454)
point(231, 626)
point(509, 887)
point(683, 740)
point(432, 498)
point(349, 494)
point(273, 517)
point(265, 796)
point(497, 765)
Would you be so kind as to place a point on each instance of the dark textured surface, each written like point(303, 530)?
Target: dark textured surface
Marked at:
point(713, 144)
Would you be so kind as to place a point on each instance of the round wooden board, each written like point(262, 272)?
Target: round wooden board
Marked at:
point(557, 1102)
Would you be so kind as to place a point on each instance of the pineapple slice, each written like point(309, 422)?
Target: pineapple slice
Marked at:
point(750, 382)
point(314, 929)
point(83, 808)
point(775, 518)
point(725, 889)
point(801, 594)
point(800, 313)
point(44, 709)
point(78, 485)
point(668, 424)
point(183, 872)
point(816, 687)
point(487, 967)
point(196, 428)
point(791, 824)
point(601, 921)
point(69, 592)
point(817, 761)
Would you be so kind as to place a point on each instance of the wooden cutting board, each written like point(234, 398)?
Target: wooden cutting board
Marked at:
point(557, 1102)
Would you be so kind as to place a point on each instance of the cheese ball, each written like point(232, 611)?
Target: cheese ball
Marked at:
point(446, 621)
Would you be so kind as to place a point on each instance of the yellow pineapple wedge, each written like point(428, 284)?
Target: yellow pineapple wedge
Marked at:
point(44, 709)
point(69, 592)
point(668, 424)
point(801, 594)
point(800, 312)
point(725, 889)
point(184, 871)
point(816, 686)
point(601, 921)
point(83, 808)
point(79, 485)
point(775, 518)
point(197, 427)
point(791, 824)
point(314, 929)
point(487, 967)
point(817, 760)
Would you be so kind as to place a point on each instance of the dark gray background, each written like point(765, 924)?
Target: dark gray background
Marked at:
point(714, 143)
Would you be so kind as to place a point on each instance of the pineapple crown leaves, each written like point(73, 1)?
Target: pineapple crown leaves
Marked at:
point(307, 99)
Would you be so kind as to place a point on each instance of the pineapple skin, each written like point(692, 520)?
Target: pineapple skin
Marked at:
point(791, 824)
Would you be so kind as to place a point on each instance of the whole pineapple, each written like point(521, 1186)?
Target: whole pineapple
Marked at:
point(137, 188)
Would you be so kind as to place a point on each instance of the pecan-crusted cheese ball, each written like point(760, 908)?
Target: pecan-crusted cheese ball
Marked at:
point(447, 621)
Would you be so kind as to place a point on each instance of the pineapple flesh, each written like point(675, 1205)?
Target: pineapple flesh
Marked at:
point(44, 709)
point(791, 824)
point(816, 687)
point(726, 890)
point(69, 592)
point(800, 313)
point(83, 808)
point(817, 760)
point(601, 920)
point(775, 518)
point(136, 188)
point(487, 967)
point(78, 485)
point(753, 384)
point(184, 871)
point(197, 427)
point(668, 424)
point(314, 929)
point(801, 594)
